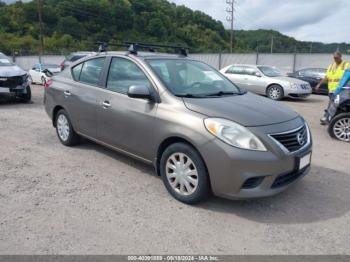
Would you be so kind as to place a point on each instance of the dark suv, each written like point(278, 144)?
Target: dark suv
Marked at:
point(14, 81)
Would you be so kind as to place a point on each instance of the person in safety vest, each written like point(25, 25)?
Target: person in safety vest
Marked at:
point(334, 74)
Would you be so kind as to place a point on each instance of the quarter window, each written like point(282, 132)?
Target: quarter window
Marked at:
point(76, 72)
point(91, 71)
point(123, 73)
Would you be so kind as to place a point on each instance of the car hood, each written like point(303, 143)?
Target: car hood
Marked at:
point(290, 79)
point(9, 71)
point(248, 110)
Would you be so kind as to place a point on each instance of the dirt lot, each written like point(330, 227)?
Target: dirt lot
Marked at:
point(90, 200)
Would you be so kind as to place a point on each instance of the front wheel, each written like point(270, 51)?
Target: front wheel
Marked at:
point(27, 97)
point(64, 129)
point(184, 174)
point(275, 92)
point(339, 127)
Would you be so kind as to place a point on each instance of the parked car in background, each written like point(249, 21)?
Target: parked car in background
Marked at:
point(39, 75)
point(14, 81)
point(313, 76)
point(198, 129)
point(266, 80)
point(74, 57)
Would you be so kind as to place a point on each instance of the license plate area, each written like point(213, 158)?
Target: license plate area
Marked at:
point(304, 161)
point(4, 90)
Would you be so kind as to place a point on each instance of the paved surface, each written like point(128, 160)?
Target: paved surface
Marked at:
point(90, 200)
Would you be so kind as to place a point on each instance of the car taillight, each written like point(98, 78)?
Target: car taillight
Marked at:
point(48, 83)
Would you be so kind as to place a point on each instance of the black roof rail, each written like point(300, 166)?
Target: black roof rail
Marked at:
point(134, 46)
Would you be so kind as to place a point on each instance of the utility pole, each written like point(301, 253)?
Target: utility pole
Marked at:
point(40, 11)
point(230, 10)
point(271, 44)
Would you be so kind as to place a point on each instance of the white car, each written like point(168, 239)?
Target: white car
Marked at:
point(266, 80)
point(38, 75)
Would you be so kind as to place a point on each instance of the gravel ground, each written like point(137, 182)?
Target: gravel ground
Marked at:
point(90, 200)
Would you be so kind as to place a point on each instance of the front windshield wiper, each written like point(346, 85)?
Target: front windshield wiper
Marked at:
point(190, 96)
point(223, 93)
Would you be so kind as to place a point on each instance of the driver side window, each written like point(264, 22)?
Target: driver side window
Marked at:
point(124, 73)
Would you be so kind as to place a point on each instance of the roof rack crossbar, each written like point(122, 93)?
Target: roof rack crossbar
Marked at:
point(134, 46)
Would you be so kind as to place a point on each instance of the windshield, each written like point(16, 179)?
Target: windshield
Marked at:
point(191, 78)
point(269, 71)
point(5, 61)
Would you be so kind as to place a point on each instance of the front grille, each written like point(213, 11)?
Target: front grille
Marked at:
point(11, 82)
point(294, 140)
point(252, 182)
point(305, 86)
point(287, 179)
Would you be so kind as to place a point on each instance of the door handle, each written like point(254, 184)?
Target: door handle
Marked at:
point(67, 93)
point(106, 104)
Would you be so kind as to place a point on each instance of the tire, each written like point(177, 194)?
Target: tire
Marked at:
point(26, 97)
point(275, 92)
point(197, 188)
point(339, 128)
point(64, 129)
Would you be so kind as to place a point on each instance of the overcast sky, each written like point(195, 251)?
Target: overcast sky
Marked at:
point(309, 20)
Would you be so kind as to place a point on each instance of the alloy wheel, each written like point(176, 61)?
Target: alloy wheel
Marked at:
point(274, 92)
point(341, 129)
point(182, 174)
point(63, 127)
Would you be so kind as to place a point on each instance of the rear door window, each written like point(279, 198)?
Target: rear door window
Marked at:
point(235, 70)
point(91, 71)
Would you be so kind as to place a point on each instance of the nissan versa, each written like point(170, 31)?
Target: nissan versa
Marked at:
point(199, 130)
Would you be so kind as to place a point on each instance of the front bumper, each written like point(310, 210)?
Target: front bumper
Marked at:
point(298, 93)
point(20, 89)
point(242, 174)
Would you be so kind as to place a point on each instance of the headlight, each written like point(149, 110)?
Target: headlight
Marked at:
point(293, 85)
point(233, 134)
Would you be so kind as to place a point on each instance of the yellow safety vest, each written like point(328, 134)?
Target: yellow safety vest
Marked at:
point(335, 74)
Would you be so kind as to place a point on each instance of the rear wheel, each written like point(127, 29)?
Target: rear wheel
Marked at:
point(64, 129)
point(339, 127)
point(184, 174)
point(275, 92)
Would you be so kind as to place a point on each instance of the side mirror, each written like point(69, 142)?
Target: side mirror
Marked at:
point(47, 72)
point(140, 91)
point(257, 74)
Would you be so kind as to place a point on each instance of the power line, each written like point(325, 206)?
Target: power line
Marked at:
point(230, 10)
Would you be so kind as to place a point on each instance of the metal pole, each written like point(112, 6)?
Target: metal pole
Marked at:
point(272, 45)
point(231, 10)
point(295, 59)
point(40, 8)
point(257, 53)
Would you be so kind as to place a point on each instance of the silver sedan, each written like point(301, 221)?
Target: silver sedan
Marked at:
point(266, 80)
